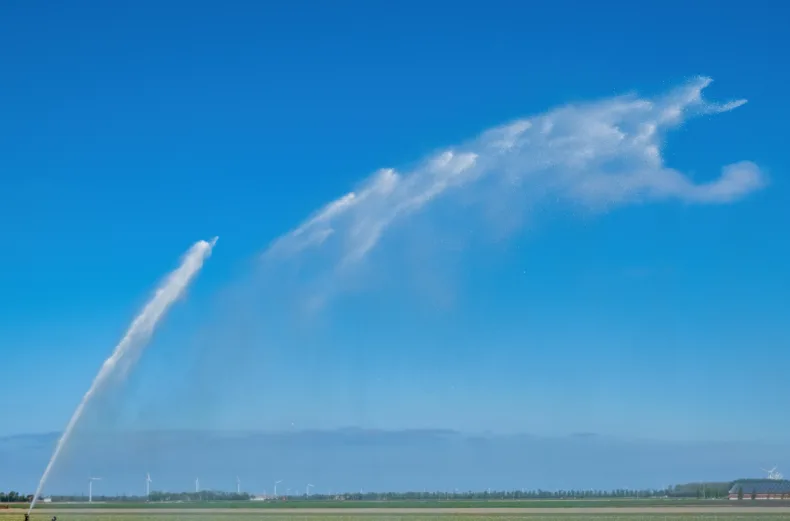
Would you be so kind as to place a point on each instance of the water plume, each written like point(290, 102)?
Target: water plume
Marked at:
point(129, 349)
point(402, 230)
point(596, 156)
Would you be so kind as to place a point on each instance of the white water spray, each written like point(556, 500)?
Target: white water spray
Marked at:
point(131, 346)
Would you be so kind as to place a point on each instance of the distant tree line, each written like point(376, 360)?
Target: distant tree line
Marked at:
point(207, 495)
point(709, 490)
point(158, 496)
point(494, 494)
point(15, 497)
point(83, 498)
point(691, 490)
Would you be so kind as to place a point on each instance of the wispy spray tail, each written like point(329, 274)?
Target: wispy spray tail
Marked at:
point(135, 340)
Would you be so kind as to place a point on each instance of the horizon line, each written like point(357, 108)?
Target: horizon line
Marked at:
point(408, 430)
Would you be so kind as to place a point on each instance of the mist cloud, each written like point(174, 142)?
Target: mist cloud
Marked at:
point(600, 155)
point(597, 156)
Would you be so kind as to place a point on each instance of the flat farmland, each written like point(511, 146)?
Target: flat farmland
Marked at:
point(410, 504)
point(534, 510)
point(657, 514)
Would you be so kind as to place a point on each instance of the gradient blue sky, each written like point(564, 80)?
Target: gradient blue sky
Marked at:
point(131, 130)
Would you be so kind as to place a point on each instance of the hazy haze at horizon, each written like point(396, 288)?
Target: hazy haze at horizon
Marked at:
point(350, 459)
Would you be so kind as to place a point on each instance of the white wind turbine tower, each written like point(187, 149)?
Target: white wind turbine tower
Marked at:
point(147, 485)
point(773, 473)
point(307, 489)
point(275, 488)
point(197, 485)
point(90, 488)
point(238, 486)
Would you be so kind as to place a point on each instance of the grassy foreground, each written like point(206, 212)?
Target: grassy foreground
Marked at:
point(438, 504)
point(383, 516)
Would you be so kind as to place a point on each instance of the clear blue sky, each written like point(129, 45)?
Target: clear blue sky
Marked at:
point(131, 130)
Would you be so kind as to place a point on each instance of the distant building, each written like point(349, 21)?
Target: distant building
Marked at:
point(747, 489)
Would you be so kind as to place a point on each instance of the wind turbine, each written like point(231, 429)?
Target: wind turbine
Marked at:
point(197, 485)
point(90, 488)
point(307, 489)
point(147, 485)
point(238, 486)
point(275, 488)
point(773, 473)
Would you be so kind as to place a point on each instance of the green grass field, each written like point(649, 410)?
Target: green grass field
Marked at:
point(438, 504)
point(403, 517)
point(452, 510)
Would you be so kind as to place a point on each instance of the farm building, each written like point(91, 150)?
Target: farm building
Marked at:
point(760, 489)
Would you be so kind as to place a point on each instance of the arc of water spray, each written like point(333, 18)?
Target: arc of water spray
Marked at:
point(131, 345)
